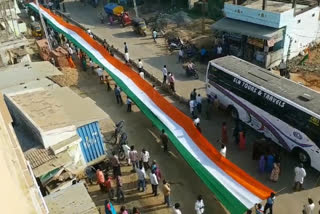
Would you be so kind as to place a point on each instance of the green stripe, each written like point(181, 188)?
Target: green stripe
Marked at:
point(225, 197)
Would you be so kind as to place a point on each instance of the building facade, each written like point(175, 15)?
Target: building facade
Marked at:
point(265, 32)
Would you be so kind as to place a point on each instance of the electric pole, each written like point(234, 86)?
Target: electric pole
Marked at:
point(202, 11)
point(44, 27)
point(135, 8)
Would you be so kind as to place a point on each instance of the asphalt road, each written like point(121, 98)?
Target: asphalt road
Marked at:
point(154, 57)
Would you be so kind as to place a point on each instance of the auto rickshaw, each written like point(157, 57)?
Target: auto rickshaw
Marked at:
point(36, 29)
point(116, 12)
point(139, 26)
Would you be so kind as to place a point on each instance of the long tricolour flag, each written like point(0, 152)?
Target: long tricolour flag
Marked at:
point(234, 188)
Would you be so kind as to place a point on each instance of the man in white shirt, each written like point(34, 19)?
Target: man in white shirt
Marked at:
point(126, 57)
point(223, 150)
point(180, 57)
point(154, 35)
point(176, 209)
point(140, 65)
point(100, 73)
point(141, 178)
point(191, 106)
point(308, 208)
point(300, 174)
point(154, 182)
point(196, 121)
point(199, 205)
point(165, 74)
point(133, 155)
point(219, 50)
point(145, 159)
point(199, 103)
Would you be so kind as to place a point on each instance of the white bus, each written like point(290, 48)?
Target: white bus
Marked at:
point(284, 111)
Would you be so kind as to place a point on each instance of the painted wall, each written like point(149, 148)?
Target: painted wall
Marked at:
point(251, 15)
point(303, 29)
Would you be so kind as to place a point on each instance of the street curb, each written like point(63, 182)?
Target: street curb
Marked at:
point(120, 55)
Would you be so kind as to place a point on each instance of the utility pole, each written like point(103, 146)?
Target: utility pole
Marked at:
point(44, 27)
point(135, 8)
point(202, 11)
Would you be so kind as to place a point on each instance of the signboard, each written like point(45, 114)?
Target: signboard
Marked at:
point(256, 42)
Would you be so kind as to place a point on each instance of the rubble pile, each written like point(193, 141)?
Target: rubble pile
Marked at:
point(69, 78)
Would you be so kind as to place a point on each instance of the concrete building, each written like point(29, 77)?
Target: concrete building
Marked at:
point(19, 190)
point(265, 32)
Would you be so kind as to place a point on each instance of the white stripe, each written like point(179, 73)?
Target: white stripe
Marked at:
point(240, 192)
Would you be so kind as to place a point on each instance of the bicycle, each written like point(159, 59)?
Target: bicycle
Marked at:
point(118, 131)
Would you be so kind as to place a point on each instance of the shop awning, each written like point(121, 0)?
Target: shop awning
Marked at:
point(248, 29)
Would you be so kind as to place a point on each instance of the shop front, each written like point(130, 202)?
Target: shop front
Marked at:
point(254, 43)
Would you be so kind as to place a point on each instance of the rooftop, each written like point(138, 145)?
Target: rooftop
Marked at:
point(272, 6)
point(56, 108)
point(21, 74)
point(74, 199)
point(279, 85)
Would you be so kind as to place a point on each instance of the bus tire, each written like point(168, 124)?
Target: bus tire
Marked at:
point(234, 112)
point(302, 156)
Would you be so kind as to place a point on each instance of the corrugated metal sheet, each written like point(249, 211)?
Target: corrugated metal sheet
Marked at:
point(92, 143)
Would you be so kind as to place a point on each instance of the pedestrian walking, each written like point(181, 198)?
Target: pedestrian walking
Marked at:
point(164, 140)
point(172, 81)
point(115, 163)
point(199, 103)
point(176, 209)
point(123, 210)
point(269, 203)
point(120, 194)
point(141, 178)
point(309, 207)
point(100, 179)
point(224, 133)
point(109, 208)
point(108, 187)
point(140, 65)
point(236, 131)
point(133, 155)
point(117, 93)
point(125, 47)
point(207, 107)
point(242, 140)
point(127, 58)
point(91, 65)
point(223, 150)
point(259, 209)
point(154, 35)
point(166, 192)
point(180, 55)
point(145, 159)
point(269, 163)
point(165, 74)
point(193, 94)
point(100, 74)
point(192, 106)
point(154, 182)
point(129, 104)
point(156, 169)
point(216, 102)
point(300, 174)
point(199, 205)
point(262, 163)
point(274, 176)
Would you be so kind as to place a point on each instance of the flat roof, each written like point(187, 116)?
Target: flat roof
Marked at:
point(57, 108)
point(23, 73)
point(279, 85)
point(246, 28)
point(272, 6)
point(74, 199)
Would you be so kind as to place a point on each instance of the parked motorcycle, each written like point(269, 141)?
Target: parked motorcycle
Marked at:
point(175, 44)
